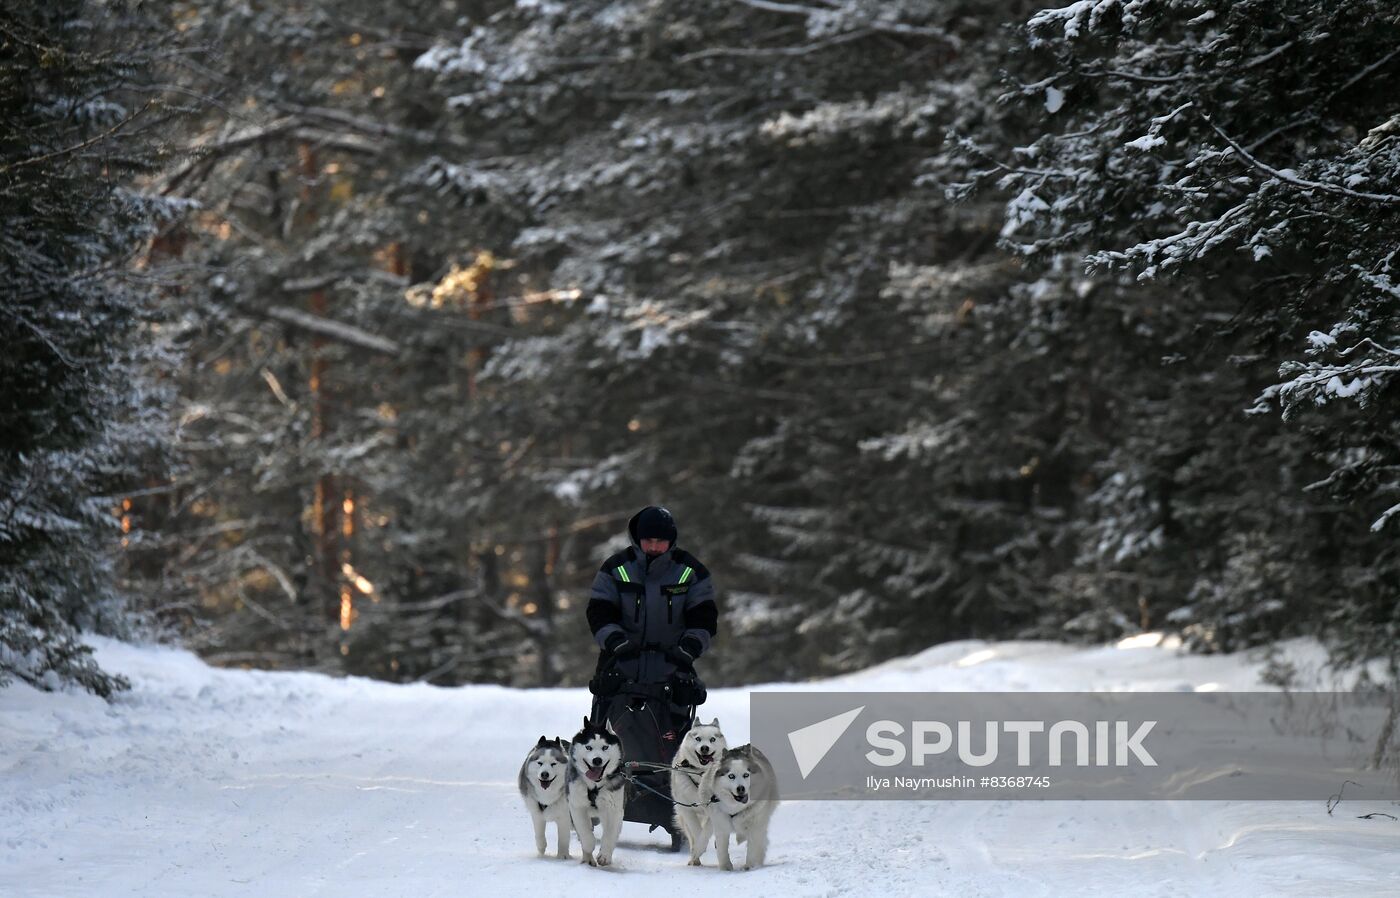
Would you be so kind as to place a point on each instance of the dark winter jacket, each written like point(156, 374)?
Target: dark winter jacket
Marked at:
point(655, 604)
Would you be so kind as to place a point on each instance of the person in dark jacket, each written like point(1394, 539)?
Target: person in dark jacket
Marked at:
point(652, 607)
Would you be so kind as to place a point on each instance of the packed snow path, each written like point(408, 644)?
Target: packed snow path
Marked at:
point(204, 782)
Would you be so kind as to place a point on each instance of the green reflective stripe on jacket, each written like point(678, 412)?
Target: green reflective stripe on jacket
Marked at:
point(685, 575)
point(622, 574)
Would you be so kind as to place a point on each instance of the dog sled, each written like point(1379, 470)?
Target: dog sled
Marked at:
point(650, 719)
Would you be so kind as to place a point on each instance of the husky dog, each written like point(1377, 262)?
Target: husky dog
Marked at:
point(542, 788)
point(740, 792)
point(700, 747)
point(596, 789)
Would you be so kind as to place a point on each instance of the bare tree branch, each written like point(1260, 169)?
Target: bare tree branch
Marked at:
point(335, 330)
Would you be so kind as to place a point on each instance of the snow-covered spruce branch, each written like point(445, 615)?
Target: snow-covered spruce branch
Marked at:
point(1138, 76)
point(1385, 517)
point(1320, 382)
point(982, 153)
point(95, 139)
point(1192, 243)
point(1370, 344)
point(1299, 122)
point(802, 50)
point(45, 337)
point(812, 13)
point(788, 8)
point(34, 476)
point(322, 281)
point(1362, 75)
point(1326, 374)
point(1311, 118)
point(1301, 183)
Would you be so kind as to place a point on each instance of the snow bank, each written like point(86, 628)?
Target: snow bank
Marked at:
point(206, 782)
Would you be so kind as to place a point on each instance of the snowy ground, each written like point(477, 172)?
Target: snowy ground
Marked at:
point(204, 782)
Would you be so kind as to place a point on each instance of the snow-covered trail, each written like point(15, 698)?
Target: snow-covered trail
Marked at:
point(203, 782)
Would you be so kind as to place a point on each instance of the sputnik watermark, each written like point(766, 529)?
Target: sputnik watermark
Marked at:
point(919, 784)
point(934, 737)
point(811, 743)
point(1170, 745)
point(1114, 743)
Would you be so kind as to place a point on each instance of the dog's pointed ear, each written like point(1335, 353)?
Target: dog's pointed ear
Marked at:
point(586, 722)
point(543, 742)
point(715, 723)
point(609, 728)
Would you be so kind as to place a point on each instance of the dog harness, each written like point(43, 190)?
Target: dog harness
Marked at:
point(611, 781)
point(688, 768)
point(714, 799)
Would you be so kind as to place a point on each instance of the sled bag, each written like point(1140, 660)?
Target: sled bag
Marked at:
point(606, 682)
point(687, 689)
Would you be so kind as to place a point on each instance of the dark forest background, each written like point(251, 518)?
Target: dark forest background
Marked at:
point(346, 336)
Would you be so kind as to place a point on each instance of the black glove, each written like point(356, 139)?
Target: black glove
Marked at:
point(688, 649)
point(618, 644)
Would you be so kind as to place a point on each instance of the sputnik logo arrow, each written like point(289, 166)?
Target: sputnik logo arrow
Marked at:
point(811, 743)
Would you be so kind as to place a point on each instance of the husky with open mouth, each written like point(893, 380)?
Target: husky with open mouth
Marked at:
point(740, 793)
point(701, 747)
point(542, 789)
point(596, 789)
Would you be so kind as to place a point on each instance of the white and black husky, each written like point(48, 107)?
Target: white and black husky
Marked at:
point(596, 789)
point(542, 788)
point(701, 746)
point(740, 793)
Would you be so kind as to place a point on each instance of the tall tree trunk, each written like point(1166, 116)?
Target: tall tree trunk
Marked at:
point(545, 556)
point(326, 496)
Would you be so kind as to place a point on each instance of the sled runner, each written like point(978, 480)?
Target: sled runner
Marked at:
point(644, 716)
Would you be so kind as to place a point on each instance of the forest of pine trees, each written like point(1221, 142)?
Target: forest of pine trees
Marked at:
point(347, 336)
